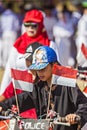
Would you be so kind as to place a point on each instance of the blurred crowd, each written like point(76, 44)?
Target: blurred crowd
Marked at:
point(65, 27)
point(60, 34)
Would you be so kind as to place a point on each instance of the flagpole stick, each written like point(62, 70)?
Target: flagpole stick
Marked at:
point(49, 100)
point(16, 96)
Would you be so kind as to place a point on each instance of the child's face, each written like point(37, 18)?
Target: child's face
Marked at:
point(32, 30)
point(46, 73)
point(28, 63)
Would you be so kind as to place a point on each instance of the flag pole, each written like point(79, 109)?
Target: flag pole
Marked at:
point(16, 96)
point(49, 98)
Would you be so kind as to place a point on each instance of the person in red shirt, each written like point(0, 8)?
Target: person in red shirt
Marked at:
point(10, 91)
point(35, 32)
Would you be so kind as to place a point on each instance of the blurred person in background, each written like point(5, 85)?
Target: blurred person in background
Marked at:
point(9, 30)
point(76, 14)
point(63, 32)
point(75, 17)
point(27, 7)
point(49, 20)
point(20, 16)
point(0, 47)
point(1, 11)
point(81, 37)
point(35, 32)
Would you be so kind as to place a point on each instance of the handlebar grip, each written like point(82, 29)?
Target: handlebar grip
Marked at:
point(77, 119)
point(82, 68)
point(5, 113)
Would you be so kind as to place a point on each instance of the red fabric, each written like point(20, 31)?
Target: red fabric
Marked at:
point(29, 114)
point(22, 79)
point(84, 50)
point(22, 75)
point(23, 41)
point(85, 90)
point(33, 15)
point(64, 71)
point(4, 124)
point(9, 91)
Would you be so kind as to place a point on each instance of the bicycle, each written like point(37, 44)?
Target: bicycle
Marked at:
point(14, 122)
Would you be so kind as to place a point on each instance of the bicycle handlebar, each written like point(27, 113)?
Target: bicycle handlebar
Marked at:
point(63, 119)
point(56, 120)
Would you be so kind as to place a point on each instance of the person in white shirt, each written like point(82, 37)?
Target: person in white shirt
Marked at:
point(63, 32)
point(49, 21)
point(81, 37)
point(9, 29)
point(82, 29)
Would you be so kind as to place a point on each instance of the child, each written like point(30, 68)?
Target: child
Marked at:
point(9, 91)
point(68, 101)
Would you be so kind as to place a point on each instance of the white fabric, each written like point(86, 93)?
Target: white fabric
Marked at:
point(1, 53)
point(8, 39)
point(13, 62)
point(55, 48)
point(81, 32)
point(66, 81)
point(49, 22)
point(9, 21)
point(62, 32)
point(9, 28)
point(84, 127)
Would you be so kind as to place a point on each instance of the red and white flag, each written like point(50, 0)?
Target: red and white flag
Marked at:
point(64, 76)
point(69, 77)
point(82, 56)
point(22, 80)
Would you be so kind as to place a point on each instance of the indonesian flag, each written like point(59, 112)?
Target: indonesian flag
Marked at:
point(22, 80)
point(69, 77)
point(82, 56)
point(64, 76)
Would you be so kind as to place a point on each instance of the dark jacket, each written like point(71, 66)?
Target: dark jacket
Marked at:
point(66, 99)
point(70, 100)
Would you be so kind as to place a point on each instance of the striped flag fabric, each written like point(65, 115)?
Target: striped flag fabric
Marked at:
point(69, 77)
point(64, 76)
point(82, 56)
point(22, 79)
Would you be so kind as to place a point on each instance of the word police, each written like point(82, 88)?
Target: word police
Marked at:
point(35, 125)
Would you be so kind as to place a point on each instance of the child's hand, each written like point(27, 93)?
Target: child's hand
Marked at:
point(71, 118)
point(14, 109)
